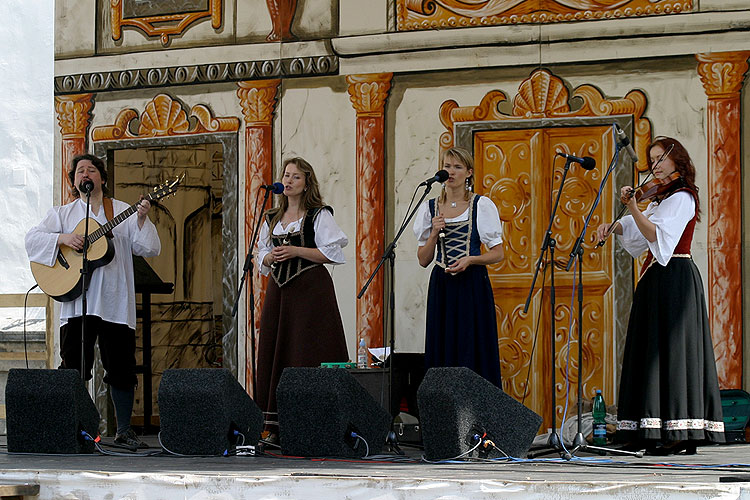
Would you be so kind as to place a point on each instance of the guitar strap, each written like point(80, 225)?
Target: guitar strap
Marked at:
point(109, 211)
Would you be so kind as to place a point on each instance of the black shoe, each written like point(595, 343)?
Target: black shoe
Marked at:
point(129, 440)
point(673, 448)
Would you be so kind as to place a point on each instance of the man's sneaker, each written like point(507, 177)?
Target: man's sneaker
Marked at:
point(129, 440)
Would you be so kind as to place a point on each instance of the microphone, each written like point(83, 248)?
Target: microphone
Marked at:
point(441, 238)
point(86, 186)
point(441, 176)
point(586, 162)
point(624, 142)
point(275, 188)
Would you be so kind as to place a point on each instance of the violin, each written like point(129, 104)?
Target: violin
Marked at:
point(654, 188)
point(647, 191)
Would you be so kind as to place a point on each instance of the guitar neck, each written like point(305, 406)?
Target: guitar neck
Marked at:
point(114, 222)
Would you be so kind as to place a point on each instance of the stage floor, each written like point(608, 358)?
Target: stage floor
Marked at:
point(715, 472)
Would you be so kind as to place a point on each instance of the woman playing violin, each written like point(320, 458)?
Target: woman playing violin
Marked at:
point(669, 393)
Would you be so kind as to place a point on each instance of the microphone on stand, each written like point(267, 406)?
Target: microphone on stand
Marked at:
point(624, 142)
point(275, 188)
point(441, 176)
point(586, 162)
point(86, 186)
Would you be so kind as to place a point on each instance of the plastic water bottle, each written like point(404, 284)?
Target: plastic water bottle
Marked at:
point(362, 354)
point(600, 424)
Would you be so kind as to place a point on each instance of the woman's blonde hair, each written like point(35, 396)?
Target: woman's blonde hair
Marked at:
point(464, 157)
point(311, 197)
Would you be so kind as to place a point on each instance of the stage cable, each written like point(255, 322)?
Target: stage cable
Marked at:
point(25, 346)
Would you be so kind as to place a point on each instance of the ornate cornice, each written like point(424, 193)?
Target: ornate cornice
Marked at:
point(369, 92)
point(74, 114)
point(722, 73)
point(107, 81)
point(432, 14)
point(543, 95)
point(258, 101)
point(164, 116)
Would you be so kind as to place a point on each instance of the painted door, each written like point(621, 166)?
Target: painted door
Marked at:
point(519, 171)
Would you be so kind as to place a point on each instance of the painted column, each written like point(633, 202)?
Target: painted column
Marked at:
point(368, 94)
point(258, 101)
point(722, 74)
point(73, 116)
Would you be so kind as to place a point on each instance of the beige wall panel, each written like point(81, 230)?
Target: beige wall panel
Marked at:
point(316, 19)
point(75, 28)
point(317, 122)
point(253, 20)
point(708, 5)
point(358, 17)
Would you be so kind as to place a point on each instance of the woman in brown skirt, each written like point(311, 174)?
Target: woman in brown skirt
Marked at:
point(300, 324)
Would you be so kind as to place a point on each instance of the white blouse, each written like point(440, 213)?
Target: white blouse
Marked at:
point(111, 292)
point(671, 216)
point(488, 222)
point(329, 238)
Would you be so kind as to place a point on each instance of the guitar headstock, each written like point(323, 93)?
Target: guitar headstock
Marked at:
point(165, 189)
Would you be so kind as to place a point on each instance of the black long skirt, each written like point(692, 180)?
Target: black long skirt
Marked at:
point(300, 325)
point(669, 390)
point(462, 323)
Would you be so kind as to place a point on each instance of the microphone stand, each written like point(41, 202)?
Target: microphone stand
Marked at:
point(390, 256)
point(85, 285)
point(549, 243)
point(248, 268)
point(579, 442)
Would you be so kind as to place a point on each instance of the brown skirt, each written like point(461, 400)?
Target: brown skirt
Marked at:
point(300, 325)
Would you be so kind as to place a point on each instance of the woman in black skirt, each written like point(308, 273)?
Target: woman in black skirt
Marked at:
point(461, 327)
point(669, 393)
point(300, 323)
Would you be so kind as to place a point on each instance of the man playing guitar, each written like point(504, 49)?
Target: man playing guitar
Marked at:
point(111, 316)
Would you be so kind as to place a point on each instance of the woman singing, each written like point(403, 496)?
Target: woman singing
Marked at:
point(669, 393)
point(300, 324)
point(461, 321)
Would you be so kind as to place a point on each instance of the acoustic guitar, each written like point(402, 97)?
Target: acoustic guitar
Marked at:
point(63, 281)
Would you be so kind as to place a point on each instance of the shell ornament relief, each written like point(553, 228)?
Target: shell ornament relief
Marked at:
point(163, 117)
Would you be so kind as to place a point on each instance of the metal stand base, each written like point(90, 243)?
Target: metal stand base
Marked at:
point(580, 444)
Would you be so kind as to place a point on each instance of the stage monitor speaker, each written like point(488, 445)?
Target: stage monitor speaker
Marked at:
point(46, 410)
point(320, 408)
point(205, 411)
point(456, 404)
